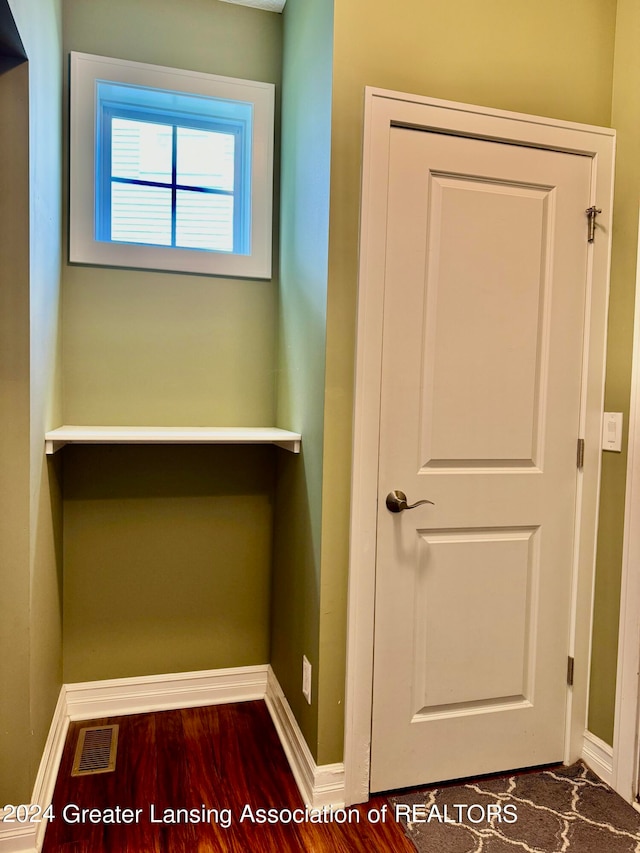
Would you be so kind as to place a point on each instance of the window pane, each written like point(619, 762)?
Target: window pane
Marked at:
point(204, 221)
point(141, 150)
point(140, 214)
point(205, 158)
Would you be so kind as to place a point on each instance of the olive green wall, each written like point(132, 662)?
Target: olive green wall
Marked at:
point(14, 434)
point(625, 117)
point(178, 540)
point(30, 556)
point(306, 143)
point(43, 41)
point(181, 555)
point(167, 554)
point(164, 348)
point(545, 58)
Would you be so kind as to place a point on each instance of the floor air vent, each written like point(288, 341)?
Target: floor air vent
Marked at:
point(96, 750)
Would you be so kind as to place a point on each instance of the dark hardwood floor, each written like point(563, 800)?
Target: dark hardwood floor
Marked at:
point(224, 762)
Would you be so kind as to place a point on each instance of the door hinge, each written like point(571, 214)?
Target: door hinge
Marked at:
point(580, 454)
point(570, 663)
point(592, 212)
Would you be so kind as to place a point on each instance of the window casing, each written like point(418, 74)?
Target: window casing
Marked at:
point(169, 169)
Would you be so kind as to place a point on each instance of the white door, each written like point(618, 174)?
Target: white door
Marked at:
point(484, 312)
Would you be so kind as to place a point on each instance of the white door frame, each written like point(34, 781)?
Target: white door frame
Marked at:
point(382, 110)
point(626, 744)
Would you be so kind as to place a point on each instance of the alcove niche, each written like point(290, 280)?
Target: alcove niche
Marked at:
point(168, 446)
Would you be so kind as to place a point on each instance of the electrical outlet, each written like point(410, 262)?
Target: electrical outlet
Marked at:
point(306, 679)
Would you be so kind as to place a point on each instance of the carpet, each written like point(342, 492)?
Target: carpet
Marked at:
point(563, 810)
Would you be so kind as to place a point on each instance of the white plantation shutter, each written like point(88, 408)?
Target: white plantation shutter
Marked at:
point(172, 185)
point(170, 169)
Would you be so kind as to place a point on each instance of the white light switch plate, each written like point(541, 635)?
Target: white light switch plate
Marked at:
point(612, 431)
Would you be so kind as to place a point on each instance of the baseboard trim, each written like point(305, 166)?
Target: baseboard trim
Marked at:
point(28, 838)
point(50, 762)
point(319, 786)
point(22, 839)
point(117, 697)
point(598, 755)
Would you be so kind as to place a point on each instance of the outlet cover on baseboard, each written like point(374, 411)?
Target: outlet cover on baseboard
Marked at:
point(306, 679)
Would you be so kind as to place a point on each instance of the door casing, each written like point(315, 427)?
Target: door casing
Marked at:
point(383, 109)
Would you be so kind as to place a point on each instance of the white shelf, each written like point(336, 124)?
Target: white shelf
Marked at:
point(57, 438)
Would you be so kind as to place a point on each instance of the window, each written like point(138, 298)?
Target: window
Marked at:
point(169, 169)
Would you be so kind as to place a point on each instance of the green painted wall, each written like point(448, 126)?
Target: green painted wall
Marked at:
point(545, 58)
point(14, 434)
point(183, 568)
point(30, 556)
point(625, 117)
point(163, 348)
point(179, 541)
point(167, 554)
point(305, 169)
point(43, 40)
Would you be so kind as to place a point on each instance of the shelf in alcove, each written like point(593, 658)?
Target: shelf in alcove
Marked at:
point(71, 434)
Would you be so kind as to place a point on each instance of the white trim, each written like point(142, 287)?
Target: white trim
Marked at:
point(19, 840)
point(50, 761)
point(56, 439)
point(319, 786)
point(627, 710)
point(29, 838)
point(267, 5)
point(382, 108)
point(91, 699)
point(85, 69)
point(598, 755)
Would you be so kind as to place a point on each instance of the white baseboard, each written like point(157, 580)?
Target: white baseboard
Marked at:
point(28, 837)
point(22, 839)
point(598, 756)
point(91, 699)
point(319, 785)
point(50, 762)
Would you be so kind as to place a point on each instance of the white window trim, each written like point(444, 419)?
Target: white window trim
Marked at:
point(85, 249)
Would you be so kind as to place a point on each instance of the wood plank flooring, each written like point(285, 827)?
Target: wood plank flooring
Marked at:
point(220, 761)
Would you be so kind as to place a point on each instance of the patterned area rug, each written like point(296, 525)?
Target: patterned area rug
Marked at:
point(565, 810)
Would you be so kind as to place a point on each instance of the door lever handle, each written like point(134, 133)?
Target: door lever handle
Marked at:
point(397, 502)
